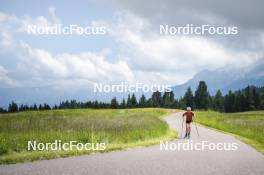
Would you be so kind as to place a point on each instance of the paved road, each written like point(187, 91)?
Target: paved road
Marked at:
point(152, 160)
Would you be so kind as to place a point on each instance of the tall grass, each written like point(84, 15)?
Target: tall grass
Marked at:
point(248, 125)
point(113, 127)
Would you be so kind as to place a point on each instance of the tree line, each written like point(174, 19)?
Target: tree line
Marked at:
point(246, 99)
point(249, 98)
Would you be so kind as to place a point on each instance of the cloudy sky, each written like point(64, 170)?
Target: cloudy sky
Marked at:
point(132, 49)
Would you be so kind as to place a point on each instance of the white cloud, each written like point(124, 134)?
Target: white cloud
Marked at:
point(143, 55)
point(40, 65)
point(6, 39)
point(89, 66)
point(5, 80)
point(172, 59)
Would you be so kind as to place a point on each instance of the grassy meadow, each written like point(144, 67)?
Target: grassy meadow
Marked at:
point(119, 129)
point(248, 126)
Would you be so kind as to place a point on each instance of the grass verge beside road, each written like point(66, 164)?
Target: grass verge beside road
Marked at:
point(119, 129)
point(247, 126)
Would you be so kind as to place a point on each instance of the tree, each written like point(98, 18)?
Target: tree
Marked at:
point(129, 105)
point(181, 104)
point(21, 108)
point(229, 102)
point(249, 99)
point(175, 104)
point(188, 98)
point(172, 98)
point(133, 101)
point(210, 101)
point(95, 104)
point(156, 99)
point(218, 101)
point(149, 102)
point(13, 107)
point(166, 100)
point(123, 104)
point(40, 107)
point(238, 101)
point(2, 110)
point(256, 97)
point(262, 98)
point(142, 101)
point(201, 96)
point(114, 103)
point(46, 106)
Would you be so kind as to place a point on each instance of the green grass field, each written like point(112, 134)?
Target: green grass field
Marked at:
point(248, 126)
point(119, 129)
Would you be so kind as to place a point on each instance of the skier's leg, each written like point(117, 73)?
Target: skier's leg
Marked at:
point(186, 131)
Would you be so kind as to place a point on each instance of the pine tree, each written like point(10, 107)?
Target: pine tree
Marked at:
point(114, 103)
point(181, 104)
point(256, 98)
point(262, 98)
point(238, 106)
point(249, 99)
point(133, 101)
point(46, 106)
point(218, 101)
point(149, 103)
point(201, 96)
point(96, 104)
point(21, 108)
point(243, 102)
point(229, 102)
point(156, 99)
point(175, 104)
point(13, 107)
point(123, 104)
point(172, 98)
point(142, 101)
point(188, 98)
point(166, 100)
point(40, 107)
point(2, 110)
point(129, 104)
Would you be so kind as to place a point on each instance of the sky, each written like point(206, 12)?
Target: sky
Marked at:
point(132, 50)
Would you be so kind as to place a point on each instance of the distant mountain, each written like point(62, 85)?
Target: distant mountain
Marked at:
point(54, 95)
point(47, 94)
point(224, 80)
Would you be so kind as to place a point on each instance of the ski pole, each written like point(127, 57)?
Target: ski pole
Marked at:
point(196, 129)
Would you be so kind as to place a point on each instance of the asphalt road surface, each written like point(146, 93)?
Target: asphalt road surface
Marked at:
point(152, 160)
